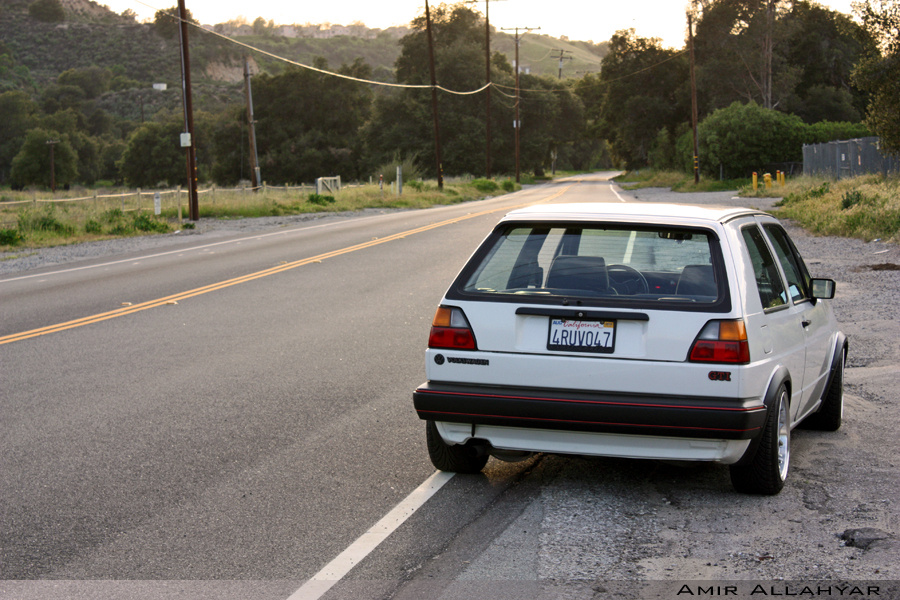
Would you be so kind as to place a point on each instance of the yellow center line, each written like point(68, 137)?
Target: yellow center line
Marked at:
point(128, 310)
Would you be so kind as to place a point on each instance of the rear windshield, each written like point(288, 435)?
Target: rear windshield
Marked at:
point(603, 263)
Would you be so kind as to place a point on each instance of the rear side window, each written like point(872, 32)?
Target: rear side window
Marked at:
point(768, 281)
point(791, 263)
point(609, 264)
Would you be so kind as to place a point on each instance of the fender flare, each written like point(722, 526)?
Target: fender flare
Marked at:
point(779, 377)
point(840, 347)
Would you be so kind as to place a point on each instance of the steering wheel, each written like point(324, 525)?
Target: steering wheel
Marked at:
point(627, 280)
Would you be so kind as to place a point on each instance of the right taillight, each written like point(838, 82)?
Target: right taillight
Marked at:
point(722, 342)
point(450, 330)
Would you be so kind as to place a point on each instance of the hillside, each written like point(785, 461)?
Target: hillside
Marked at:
point(92, 35)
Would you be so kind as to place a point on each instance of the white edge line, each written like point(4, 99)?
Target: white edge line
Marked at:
point(334, 571)
point(612, 187)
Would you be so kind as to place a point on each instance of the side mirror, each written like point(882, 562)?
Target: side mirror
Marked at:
point(822, 289)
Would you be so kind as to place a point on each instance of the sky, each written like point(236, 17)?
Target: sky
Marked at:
point(584, 20)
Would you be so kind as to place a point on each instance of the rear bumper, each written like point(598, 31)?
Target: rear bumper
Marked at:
point(669, 416)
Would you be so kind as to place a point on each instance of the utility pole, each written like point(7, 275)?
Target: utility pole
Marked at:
point(187, 140)
point(694, 116)
point(251, 121)
point(52, 144)
point(518, 123)
point(487, 79)
point(434, 105)
point(562, 56)
point(767, 76)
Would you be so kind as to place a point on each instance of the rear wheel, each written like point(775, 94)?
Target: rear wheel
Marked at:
point(452, 457)
point(766, 473)
point(831, 413)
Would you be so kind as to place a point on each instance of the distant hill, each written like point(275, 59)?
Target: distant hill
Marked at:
point(92, 35)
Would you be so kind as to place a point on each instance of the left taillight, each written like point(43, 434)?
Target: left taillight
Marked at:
point(722, 342)
point(451, 330)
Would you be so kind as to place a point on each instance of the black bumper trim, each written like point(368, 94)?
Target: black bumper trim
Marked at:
point(657, 415)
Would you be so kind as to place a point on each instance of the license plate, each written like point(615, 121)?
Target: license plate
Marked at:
point(575, 335)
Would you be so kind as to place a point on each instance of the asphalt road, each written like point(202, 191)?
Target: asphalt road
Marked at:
point(225, 417)
point(248, 420)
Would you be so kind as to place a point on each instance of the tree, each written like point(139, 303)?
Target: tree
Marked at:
point(308, 122)
point(153, 155)
point(879, 73)
point(31, 166)
point(458, 39)
point(642, 89)
point(746, 137)
point(56, 98)
point(740, 54)
point(93, 81)
point(552, 121)
point(167, 22)
point(230, 147)
point(70, 124)
point(825, 46)
point(13, 75)
point(260, 27)
point(551, 115)
point(48, 11)
point(19, 114)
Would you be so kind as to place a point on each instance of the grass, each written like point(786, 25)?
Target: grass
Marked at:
point(865, 207)
point(41, 221)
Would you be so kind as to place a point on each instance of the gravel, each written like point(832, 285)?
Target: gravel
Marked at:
point(607, 520)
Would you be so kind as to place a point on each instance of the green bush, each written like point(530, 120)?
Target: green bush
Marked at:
point(408, 165)
point(743, 138)
point(144, 222)
point(93, 227)
point(113, 215)
point(320, 199)
point(48, 11)
point(508, 185)
point(10, 237)
point(828, 131)
point(485, 185)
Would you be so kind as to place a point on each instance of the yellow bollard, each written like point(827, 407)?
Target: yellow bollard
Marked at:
point(755, 181)
point(783, 179)
point(768, 179)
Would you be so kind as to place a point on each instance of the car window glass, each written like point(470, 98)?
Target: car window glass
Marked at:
point(646, 263)
point(794, 269)
point(645, 250)
point(768, 281)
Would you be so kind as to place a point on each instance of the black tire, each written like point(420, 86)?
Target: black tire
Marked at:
point(766, 473)
point(831, 412)
point(453, 458)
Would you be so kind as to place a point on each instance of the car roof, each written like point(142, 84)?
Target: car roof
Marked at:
point(641, 212)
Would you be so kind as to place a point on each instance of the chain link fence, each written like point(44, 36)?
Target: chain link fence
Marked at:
point(849, 158)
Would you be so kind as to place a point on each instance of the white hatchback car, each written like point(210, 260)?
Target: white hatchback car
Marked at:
point(636, 330)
